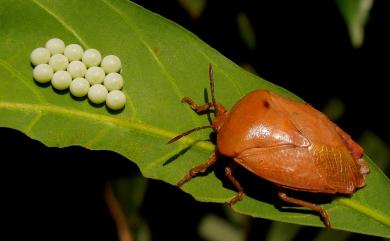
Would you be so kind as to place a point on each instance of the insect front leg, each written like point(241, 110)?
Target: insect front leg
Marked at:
point(229, 173)
point(195, 170)
point(196, 107)
point(282, 195)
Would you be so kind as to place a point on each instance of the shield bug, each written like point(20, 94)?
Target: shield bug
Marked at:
point(286, 142)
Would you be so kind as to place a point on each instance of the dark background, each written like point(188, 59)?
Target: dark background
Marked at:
point(304, 47)
point(52, 193)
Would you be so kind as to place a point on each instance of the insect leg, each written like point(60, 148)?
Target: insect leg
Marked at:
point(229, 173)
point(282, 195)
point(194, 171)
point(196, 107)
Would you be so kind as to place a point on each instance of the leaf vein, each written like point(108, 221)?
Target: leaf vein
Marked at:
point(164, 70)
point(100, 135)
point(8, 67)
point(234, 83)
point(33, 122)
point(133, 110)
point(209, 59)
point(62, 21)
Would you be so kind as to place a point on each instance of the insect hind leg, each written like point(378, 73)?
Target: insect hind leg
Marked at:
point(282, 195)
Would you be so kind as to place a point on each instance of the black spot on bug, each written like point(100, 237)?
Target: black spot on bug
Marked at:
point(266, 104)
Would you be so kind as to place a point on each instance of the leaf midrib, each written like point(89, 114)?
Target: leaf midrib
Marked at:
point(370, 212)
point(108, 120)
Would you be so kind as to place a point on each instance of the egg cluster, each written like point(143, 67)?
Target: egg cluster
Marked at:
point(83, 72)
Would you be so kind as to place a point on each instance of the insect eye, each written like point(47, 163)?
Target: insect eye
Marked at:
point(266, 104)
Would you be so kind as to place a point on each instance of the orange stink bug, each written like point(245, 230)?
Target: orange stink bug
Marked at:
point(286, 142)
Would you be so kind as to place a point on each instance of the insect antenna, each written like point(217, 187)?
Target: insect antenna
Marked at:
point(219, 109)
point(187, 133)
point(211, 77)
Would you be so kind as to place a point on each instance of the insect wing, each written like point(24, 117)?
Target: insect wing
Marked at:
point(288, 166)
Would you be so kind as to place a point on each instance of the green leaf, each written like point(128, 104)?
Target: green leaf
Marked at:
point(355, 14)
point(162, 62)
